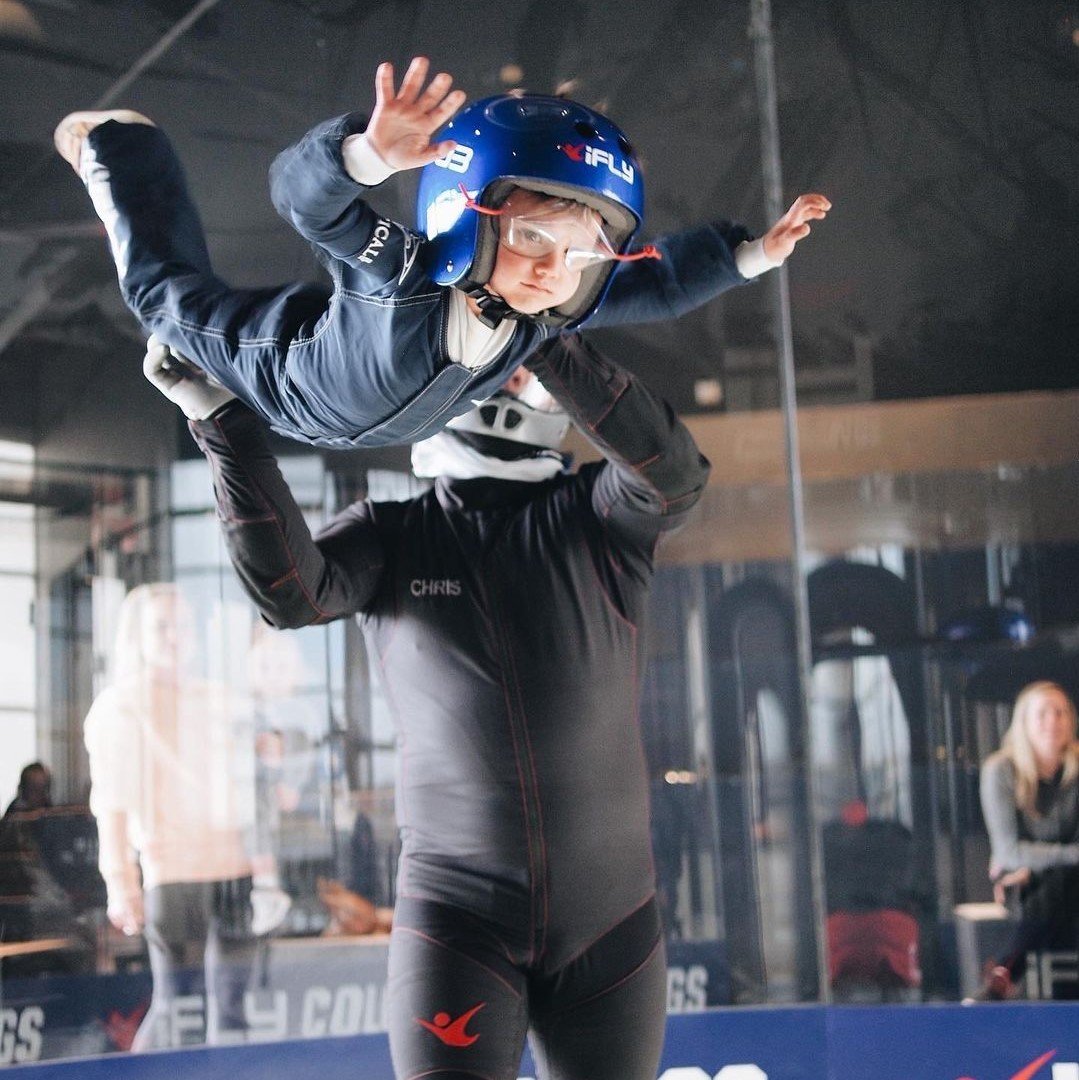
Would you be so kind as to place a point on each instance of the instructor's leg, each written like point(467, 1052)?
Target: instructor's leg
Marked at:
point(456, 1003)
point(231, 947)
point(603, 1015)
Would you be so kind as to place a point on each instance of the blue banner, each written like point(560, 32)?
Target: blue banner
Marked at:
point(950, 1042)
point(925, 1042)
point(304, 988)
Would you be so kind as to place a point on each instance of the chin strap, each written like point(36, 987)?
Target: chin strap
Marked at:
point(493, 309)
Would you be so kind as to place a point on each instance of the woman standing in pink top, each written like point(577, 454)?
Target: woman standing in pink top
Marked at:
point(174, 817)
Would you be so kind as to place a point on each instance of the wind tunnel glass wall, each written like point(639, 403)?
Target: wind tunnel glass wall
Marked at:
point(189, 744)
point(933, 599)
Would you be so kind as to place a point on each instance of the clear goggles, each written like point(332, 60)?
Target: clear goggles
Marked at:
point(561, 225)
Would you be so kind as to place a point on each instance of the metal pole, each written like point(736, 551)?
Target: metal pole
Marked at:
point(699, 693)
point(154, 53)
point(760, 32)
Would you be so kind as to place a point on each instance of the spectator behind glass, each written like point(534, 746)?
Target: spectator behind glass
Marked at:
point(1030, 798)
point(60, 840)
point(34, 791)
point(44, 884)
point(294, 788)
point(169, 794)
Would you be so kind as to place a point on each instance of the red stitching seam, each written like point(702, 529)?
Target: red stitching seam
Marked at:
point(593, 426)
point(640, 749)
point(539, 809)
point(607, 412)
point(426, 900)
point(281, 580)
point(603, 933)
point(524, 810)
point(602, 588)
point(457, 952)
point(587, 423)
point(615, 985)
point(682, 498)
point(453, 1072)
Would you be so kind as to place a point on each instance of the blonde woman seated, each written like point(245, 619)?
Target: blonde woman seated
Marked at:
point(1030, 798)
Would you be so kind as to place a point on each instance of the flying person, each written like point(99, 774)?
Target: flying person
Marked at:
point(527, 214)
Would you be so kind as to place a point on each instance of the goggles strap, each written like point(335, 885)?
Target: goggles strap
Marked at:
point(473, 205)
point(649, 251)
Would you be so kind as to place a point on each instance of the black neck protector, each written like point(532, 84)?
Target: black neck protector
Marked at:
point(493, 309)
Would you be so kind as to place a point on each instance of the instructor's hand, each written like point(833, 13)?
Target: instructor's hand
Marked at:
point(182, 382)
point(404, 120)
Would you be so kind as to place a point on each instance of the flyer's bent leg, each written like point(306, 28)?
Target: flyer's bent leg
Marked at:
point(138, 189)
point(239, 337)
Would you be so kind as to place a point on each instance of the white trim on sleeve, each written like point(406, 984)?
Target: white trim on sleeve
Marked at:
point(363, 162)
point(751, 260)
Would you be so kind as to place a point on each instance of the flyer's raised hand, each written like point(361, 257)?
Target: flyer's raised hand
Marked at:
point(404, 119)
point(793, 226)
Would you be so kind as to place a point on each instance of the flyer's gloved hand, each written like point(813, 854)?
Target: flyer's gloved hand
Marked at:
point(182, 382)
point(269, 904)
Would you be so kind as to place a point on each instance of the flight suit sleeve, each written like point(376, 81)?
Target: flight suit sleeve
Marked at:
point(654, 472)
point(294, 578)
point(312, 190)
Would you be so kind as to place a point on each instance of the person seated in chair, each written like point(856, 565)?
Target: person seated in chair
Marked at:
point(1030, 799)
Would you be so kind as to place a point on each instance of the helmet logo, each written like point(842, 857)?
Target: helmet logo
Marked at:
point(444, 212)
point(457, 160)
point(597, 157)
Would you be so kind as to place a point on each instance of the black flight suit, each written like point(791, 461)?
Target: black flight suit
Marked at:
point(505, 618)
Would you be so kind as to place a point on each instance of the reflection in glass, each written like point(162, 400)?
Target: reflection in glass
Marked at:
point(166, 750)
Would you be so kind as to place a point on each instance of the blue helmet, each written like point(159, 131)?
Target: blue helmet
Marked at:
point(543, 144)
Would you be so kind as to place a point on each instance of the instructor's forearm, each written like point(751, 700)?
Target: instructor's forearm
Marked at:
point(632, 427)
point(282, 567)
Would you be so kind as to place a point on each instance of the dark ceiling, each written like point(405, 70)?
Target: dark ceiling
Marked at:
point(946, 134)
